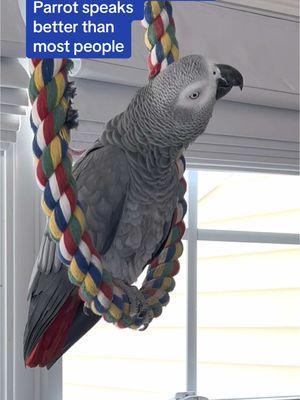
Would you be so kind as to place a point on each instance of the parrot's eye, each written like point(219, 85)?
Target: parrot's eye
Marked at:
point(194, 95)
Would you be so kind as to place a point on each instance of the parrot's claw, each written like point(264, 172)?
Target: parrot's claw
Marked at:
point(138, 305)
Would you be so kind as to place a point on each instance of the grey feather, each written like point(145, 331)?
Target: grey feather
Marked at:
point(102, 178)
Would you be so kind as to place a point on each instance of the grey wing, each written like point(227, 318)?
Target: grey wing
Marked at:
point(102, 177)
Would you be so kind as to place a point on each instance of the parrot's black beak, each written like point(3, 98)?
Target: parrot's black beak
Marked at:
point(229, 77)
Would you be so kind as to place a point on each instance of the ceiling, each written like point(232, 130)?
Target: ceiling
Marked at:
point(289, 7)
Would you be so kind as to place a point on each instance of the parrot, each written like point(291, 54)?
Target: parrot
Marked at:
point(128, 188)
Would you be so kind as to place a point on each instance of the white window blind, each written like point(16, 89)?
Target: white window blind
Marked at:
point(248, 320)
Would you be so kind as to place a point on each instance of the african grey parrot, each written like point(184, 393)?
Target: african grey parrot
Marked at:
point(128, 187)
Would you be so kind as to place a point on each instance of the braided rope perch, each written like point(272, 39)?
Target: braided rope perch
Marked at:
point(51, 118)
point(160, 38)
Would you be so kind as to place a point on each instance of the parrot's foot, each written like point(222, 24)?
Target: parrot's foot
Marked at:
point(138, 305)
point(136, 299)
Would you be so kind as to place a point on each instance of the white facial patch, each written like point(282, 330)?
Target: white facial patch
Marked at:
point(195, 95)
point(215, 73)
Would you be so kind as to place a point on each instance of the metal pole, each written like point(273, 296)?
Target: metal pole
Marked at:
point(248, 237)
point(191, 363)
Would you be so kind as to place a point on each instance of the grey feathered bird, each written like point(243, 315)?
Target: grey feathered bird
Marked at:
point(128, 187)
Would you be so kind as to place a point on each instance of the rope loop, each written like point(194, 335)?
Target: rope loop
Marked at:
point(52, 117)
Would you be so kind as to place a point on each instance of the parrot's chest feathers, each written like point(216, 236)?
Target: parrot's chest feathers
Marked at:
point(145, 222)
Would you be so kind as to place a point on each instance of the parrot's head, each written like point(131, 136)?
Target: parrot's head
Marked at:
point(180, 100)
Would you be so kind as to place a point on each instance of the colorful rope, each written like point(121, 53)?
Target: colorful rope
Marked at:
point(160, 36)
point(160, 40)
point(52, 117)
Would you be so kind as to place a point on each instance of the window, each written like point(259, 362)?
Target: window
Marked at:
point(236, 306)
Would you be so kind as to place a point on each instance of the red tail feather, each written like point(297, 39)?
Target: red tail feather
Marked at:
point(53, 339)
